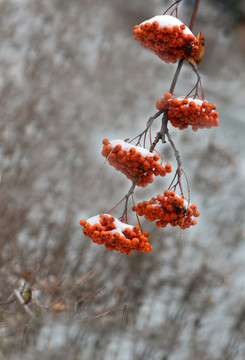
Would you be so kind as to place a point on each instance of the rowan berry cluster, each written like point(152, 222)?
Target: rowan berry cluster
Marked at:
point(106, 230)
point(134, 161)
point(168, 37)
point(185, 111)
point(168, 208)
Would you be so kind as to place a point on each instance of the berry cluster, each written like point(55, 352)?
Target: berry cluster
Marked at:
point(134, 161)
point(183, 112)
point(105, 230)
point(168, 209)
point(168, 37)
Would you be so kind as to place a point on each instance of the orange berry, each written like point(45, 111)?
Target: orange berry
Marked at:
point(193, 207)
point(117, 148)
point(192, 104)
point(162, 172)
point(197, 213)
point(146, 165)
point(174, 216)
point(168, 168)
point(136, 229)
point(138, 33)
point(107, 149)
point(156, 157)
point(175, 34)
point(149, 158)
point(82, 222)
point(127, 231)
point(189, 212)
point(194, 222)
point(167, 193)
point(96, 227)
point(165, 29)
point(159, 104)
point(155, 25)
point(105, 142)
point(190, 37)
point(148, 208)
point(120, 154)
point(147, 25)
point(135, 241)
point(127, 242)
point(185, 101)
point(167, 95)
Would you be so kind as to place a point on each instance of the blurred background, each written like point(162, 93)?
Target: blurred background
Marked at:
point(72, 74)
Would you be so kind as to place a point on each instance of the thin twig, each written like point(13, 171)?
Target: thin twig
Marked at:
point(188, 188)
point(22, 303)
point(124, 309)
point(194, 14)
point(14, 330)
point(176, 6)
point(176, 152)
point(110, 310)
point(137, 216)
point(199, 82)
point(81, 282)
point(148, 126)
point(126, 198)
point(176, 75)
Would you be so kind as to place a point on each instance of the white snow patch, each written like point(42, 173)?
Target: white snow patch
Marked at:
point(127, 146)
point(120, 226)
point(168, 20)
point(196, 101)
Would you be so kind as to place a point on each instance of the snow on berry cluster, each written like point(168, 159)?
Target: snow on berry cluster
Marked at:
point(168, 37)
point(183, 111)
point(168, 209)
point(106, 230)
point(134, 161)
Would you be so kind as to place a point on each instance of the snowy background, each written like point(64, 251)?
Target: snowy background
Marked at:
point(71, 75)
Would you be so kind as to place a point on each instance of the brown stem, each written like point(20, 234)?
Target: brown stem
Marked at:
point(126, 198)
point(176, 3)
point(194, 14)
point(176, 75)
point(176, 152)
